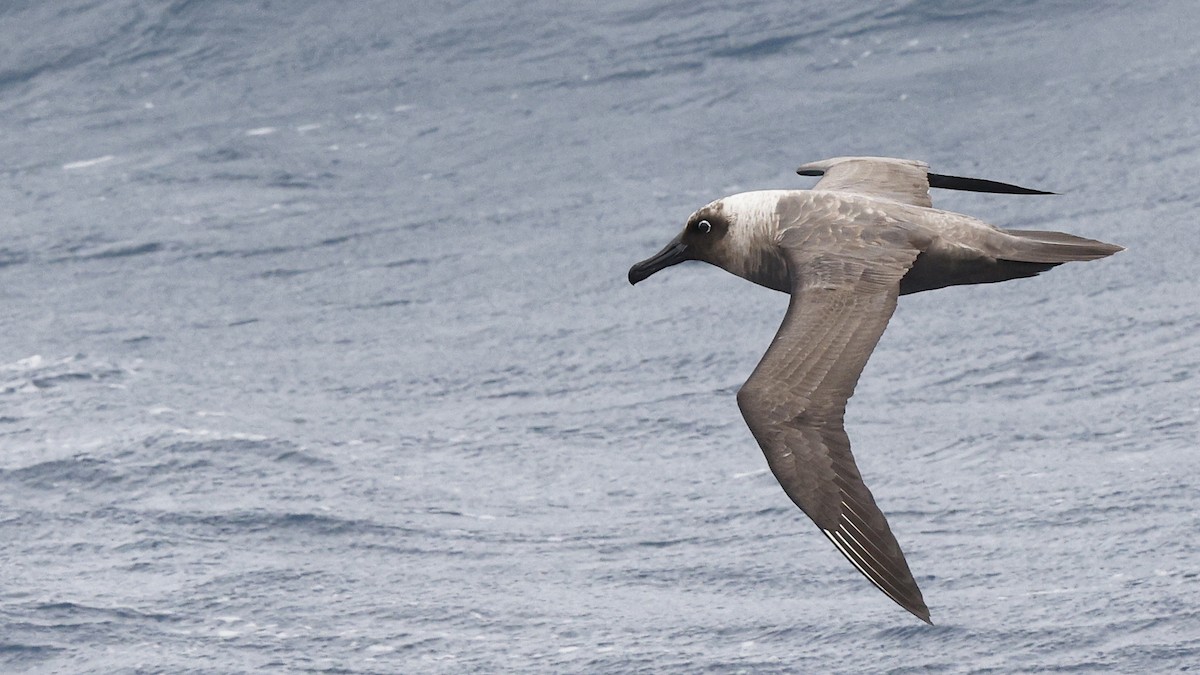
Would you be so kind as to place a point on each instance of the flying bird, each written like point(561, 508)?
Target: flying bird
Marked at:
point(865, 234)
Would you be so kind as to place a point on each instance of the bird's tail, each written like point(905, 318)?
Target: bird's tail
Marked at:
point(1041, 246)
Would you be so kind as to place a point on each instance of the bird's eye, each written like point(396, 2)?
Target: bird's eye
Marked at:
point(704, 227)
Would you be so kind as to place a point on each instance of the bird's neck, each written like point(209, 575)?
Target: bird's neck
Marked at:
point(752, 251)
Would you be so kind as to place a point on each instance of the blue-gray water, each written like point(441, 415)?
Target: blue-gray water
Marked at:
point(317, 352)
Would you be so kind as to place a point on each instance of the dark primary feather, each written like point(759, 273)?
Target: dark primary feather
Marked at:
point(938, 180)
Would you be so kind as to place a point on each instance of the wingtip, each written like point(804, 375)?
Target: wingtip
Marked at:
point(917, 609)
point(937, 180)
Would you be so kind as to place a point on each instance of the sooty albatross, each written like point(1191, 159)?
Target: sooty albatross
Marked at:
point(865, 234)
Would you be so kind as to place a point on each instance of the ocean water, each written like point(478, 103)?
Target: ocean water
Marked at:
point(318, 353)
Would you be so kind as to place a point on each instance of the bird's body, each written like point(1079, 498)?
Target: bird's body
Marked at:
point(845, 250)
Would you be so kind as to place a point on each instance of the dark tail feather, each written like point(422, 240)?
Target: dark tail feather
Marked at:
point(1040, 246)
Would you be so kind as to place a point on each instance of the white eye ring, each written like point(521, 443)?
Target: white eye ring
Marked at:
point(704, 226)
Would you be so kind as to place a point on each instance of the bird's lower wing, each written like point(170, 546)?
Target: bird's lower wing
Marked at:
point(795, 401)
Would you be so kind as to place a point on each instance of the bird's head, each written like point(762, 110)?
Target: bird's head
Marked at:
point(703, 238)
point(737, 234)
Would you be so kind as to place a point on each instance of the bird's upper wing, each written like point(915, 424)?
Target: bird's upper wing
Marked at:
point(845, 279)
point(902, 180)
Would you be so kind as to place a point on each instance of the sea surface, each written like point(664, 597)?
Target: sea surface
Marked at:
point(317, 352)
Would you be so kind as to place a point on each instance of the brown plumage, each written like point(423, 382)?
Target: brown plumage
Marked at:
point(845, 250)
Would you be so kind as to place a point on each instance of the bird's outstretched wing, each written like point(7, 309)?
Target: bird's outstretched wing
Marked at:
point(902, 180)
point(845, 279)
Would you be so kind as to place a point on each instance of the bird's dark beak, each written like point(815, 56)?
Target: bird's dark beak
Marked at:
point(673, 254)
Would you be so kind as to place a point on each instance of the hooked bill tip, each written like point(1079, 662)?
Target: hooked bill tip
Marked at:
point(673, 254)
